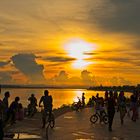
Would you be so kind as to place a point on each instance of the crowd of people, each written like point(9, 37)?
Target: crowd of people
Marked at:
point(116, 102)
point(9, 113)
point(111, 102)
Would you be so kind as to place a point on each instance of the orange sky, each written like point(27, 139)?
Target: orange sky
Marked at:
point(70, 42)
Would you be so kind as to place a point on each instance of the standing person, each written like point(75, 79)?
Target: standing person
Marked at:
point(47, 103)
point(13, 110)
point(110, 109)
point(116, 96)
point(32, 106)
point(106, 95)
point(133, 106)
point(1, 109)
point(1, 121)
point(1, 130)
point(83, 99)
point(5, 104)
point(122, 106)
point(0, 89)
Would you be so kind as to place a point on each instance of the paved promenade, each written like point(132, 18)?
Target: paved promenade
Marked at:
point(76, 126)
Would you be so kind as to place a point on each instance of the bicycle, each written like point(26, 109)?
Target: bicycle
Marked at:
point(51, 124)
point(50, 119)
point(99, 115)
point(32, 110)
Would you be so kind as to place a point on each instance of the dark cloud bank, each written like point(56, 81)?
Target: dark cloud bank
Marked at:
point(117, 16)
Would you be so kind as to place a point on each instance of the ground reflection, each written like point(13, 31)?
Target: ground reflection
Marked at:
point(19, 136)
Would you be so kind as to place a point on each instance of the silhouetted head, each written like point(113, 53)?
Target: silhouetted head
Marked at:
point(32, 95)
point(17, 99)
point(110, 93)
point(106, 92)
point(46, 92)
point(83, 93)
point(121, 93)
point(7, 94)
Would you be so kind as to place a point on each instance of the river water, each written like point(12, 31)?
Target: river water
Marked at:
point(60, 96)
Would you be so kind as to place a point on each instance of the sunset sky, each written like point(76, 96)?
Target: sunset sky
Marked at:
point(72, 42)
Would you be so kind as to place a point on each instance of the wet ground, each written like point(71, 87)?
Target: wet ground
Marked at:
point(76, 126)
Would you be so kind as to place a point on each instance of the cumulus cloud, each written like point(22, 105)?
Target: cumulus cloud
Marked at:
point(26, 64)
point(86, 77)
point(119, 81)
point(61, 77)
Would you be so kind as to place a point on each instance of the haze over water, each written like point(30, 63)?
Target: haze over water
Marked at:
point(60, 96)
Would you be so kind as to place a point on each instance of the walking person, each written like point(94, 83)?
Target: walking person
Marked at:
point(1, 121)
point(110, 109)
point(83, 99)
point(32, 105)
point(122, 106)
point(13, 109)
point(5, 105)
point(47, 104)
point(134, 106)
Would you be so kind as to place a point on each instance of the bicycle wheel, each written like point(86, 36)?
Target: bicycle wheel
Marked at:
point(105, 119)
point(94, 118)
point(52, 121)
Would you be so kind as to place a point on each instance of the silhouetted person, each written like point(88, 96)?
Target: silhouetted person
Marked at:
point(33, 100)
point(13, 110)
point(97, 96)
point(83, 99)
point(133, 106)
point(110, 109)
point(5, 104)
point(0, 89)
point(32, 106)
point(47, 103)
point(1, 130)
point(106, 95)
point(122, 106)
point(1, 121)
point(1, 109)
point(115, 95)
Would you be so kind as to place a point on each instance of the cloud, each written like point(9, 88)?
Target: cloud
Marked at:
point(2, 63)
point(90, 53)
point(59, 59)
point(117, 16)
point(5, 78)
point(86, 77)
point(61, 77)
point(119, 81)
point(26, 64)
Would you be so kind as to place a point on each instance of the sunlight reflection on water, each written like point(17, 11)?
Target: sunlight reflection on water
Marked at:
point(60, 96)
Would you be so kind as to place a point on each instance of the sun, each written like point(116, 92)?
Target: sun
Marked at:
point(80, 50)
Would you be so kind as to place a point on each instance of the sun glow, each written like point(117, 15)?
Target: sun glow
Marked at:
point(81, 63)
point(80, 50)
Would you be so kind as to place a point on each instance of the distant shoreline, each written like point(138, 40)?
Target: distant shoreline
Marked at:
point(125, 88)
point(40, 87)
